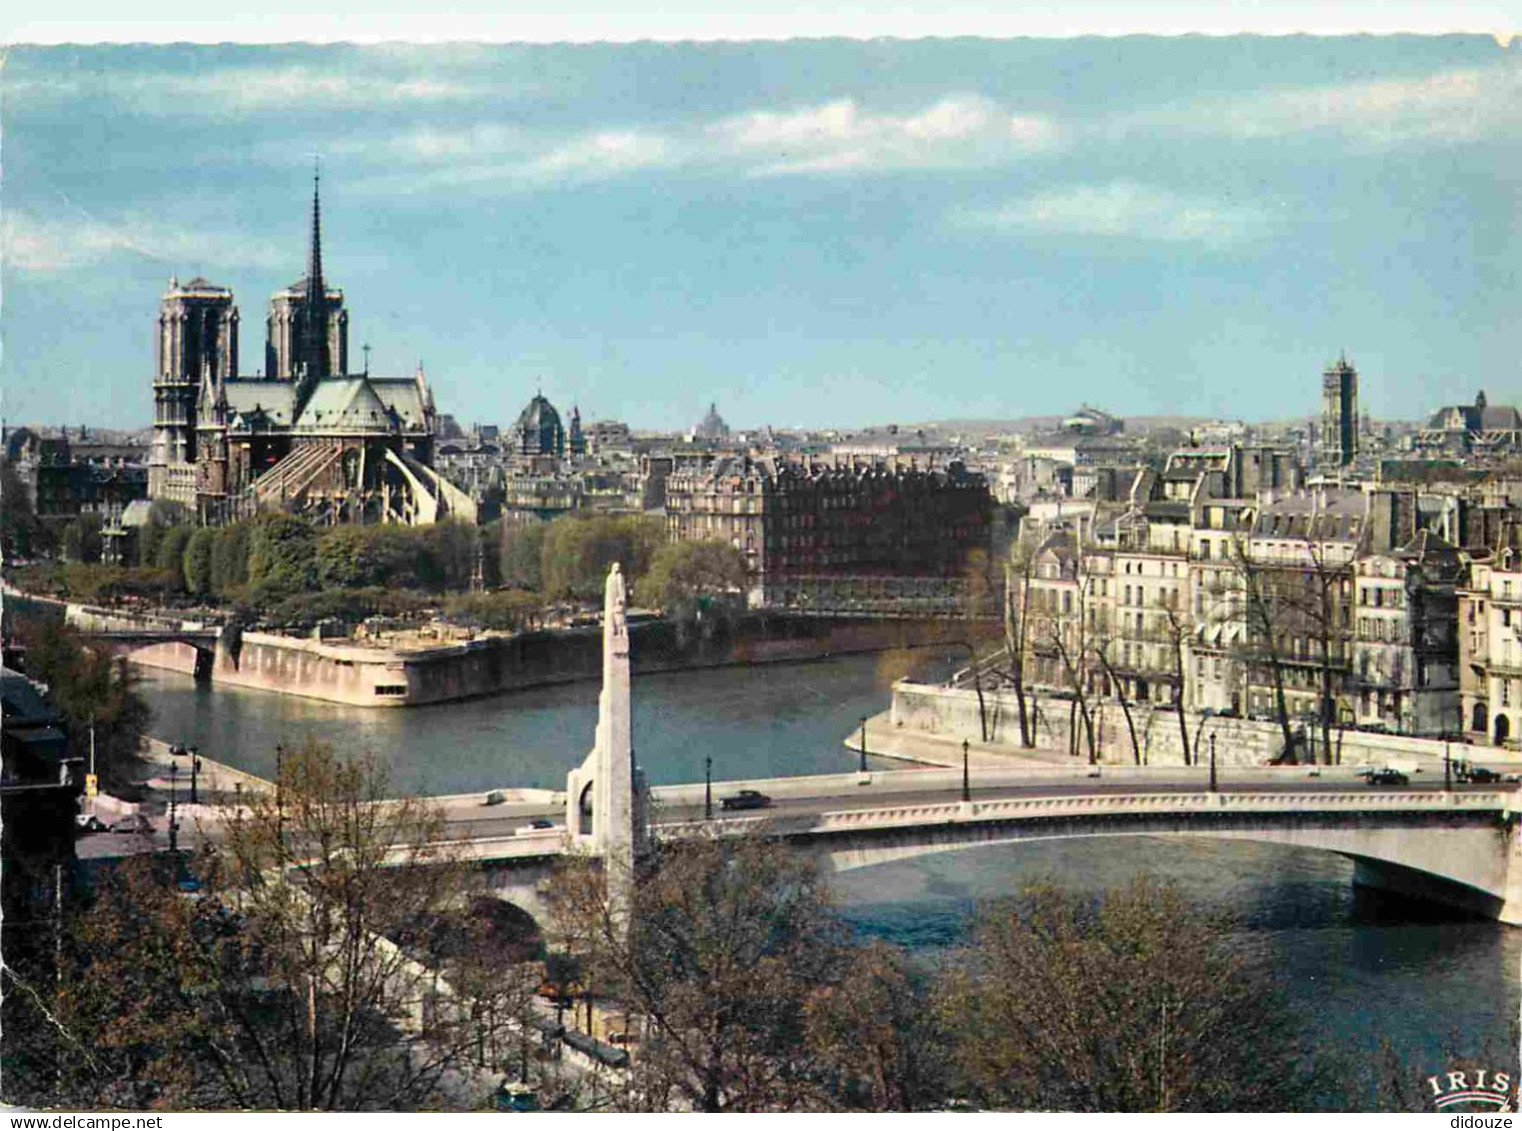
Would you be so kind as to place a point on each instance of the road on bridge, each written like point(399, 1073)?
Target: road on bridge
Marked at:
point(468, 818)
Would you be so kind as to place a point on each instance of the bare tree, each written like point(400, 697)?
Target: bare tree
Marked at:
point(288, 964)
point(1104, 642)
point(727, 942)
point(1132, 1004)
point(1261, 646)
point(1175, 630)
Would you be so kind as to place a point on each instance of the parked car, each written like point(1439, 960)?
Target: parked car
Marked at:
point(136, 823)
point(1479, 775)
point(1387, 775)
point(89, 823)
point(746, 799)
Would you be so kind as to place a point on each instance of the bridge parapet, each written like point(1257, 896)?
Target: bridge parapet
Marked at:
point(1103, 804)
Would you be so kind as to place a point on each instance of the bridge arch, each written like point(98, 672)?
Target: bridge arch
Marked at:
point(1460, 857)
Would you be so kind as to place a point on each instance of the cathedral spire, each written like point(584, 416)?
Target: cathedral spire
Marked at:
point(314, 352)
point(314, 253)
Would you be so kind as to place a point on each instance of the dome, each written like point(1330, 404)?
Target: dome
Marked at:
point(540, 432)
point(712, 426)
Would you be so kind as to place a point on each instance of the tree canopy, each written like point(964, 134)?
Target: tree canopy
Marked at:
point(681, 574)
point(1132, 1002)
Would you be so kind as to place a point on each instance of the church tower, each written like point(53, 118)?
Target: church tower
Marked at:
point(196, 346)
point(308, 326)
point(1339, 413)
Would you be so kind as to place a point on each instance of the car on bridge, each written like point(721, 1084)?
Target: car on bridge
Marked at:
point(1480, 775)
point(1387, 775)
point(746, 799)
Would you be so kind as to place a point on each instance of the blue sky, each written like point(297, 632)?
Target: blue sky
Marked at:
point(807, 232)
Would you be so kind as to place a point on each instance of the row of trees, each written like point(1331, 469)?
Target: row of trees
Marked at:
point(283, 568)
point(1088, 650)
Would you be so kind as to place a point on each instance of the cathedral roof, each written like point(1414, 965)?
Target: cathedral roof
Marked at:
point(345, 404)
point(275, 400)
point(1478, 417)
point(405, 397)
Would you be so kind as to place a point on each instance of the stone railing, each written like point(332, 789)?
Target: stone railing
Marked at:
point(1163, 803)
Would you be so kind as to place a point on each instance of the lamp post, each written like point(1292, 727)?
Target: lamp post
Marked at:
point(195, 771)
point(966, 782)
point(863, 766)
point(1212, 764)
point(174, 824)
point(707, 788)
point(1447, 769)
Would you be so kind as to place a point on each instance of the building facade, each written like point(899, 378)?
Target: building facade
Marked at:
point(815, 534)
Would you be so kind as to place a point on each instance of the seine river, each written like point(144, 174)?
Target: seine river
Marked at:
point(1358, 969)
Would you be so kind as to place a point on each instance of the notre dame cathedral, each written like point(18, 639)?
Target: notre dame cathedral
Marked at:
point(306, 435)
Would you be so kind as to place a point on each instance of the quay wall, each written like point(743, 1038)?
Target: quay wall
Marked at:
point(372, 676)
point(937, 709)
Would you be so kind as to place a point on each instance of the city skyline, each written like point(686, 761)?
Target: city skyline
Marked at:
point(830, 232)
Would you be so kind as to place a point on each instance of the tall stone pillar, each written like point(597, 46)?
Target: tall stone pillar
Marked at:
point(604, 802)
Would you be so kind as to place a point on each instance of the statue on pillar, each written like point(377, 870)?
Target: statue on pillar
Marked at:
point(605, 813)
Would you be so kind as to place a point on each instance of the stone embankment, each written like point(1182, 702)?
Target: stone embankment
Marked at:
point(408, 670)
point(928, 722)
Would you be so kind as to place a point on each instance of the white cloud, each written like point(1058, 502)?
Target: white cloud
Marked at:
point(1448, 106)
point(39, 246)
point(1125, 210)
point(224, 91)
point(959, 130)
point(605, 153)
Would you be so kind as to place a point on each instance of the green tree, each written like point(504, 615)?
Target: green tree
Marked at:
point(683, 574)
point(197, 562)
point(578, 550)
point(22, 533)
point(505, 609)
point(89, 686)
point(81, 539)
point(352, 557)
point(519, 553)
point(171, 551)
point(229, 560)
point(450, 550)
point(1133, 1002)
point(282, 556)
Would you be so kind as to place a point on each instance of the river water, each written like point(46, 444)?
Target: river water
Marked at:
point(1358, 968)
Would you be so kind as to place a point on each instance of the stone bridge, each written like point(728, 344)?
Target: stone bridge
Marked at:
point(1459, 848)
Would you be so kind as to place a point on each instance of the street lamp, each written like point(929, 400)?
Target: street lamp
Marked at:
point(966, 783)
point(1212, 764)
point(174, 824)
point(1447, 769)
point(707, 788)
point(863, 744)
point(195, 770)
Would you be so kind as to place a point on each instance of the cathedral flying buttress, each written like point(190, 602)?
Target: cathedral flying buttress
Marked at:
point(305, 436)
